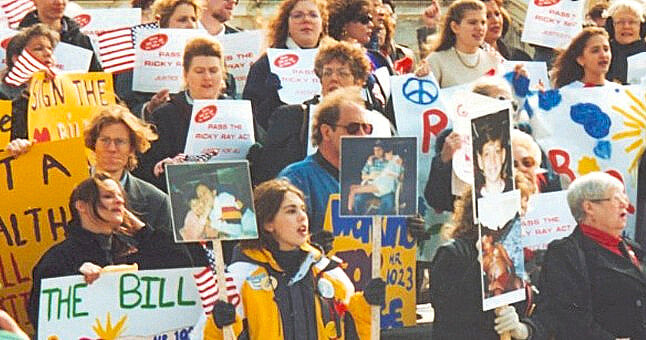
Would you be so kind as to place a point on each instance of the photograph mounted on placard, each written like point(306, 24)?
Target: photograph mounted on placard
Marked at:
point(378, 176)
point(211, 201)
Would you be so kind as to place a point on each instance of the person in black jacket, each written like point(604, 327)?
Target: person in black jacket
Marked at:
point(102, 232)
point(498, 22)
point(593, 285)
point(627, 29)
point(50, 12)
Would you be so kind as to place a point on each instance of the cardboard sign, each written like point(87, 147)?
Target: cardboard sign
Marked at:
point(552, 23)
point(35, 192)
point(352, 244)
point(225, 126)
point(95, 20)
point(70, 58)
point(159, 58)
point(295, 69)
point(608, 123)
point(60, 108)
point(240, 51)
point(211, 201)
point(159, 304)
point(5, 123)
point(636, 68)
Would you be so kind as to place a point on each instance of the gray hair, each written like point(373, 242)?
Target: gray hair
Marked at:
point(520, 138)
point(626, 5)
point(592, 186)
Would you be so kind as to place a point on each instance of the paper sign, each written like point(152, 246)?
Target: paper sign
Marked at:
point(70, 58)
point(225, 126)
point(149, 304)
point(552, 23)
point(240, 51)
point(93, 21)
point(295, 69)
point(636, 68)
point(159, 59)
point(60, 108)
point(35, 190)
point(537, 71)
point(5, 123)
point(5, 36)
point(352, 244)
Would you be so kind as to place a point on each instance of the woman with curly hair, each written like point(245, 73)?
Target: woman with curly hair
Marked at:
point(298, 24)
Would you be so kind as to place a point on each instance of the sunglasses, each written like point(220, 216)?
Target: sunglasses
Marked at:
point(527, 162)
point(354, 128)
point(364, 19)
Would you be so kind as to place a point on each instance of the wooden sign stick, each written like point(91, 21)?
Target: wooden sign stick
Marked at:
point(227, 331)
point(505, 335)
point(375, 311)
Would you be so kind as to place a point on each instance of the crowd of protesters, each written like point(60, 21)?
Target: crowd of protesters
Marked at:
point(592, 283)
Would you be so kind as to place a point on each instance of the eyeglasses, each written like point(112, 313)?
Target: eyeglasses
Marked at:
point(302, 15)
point(342, 73)
point(527, 162)
point(619, 197)
point(118, 142)
point(364, 19)
point(626, 22)
point(354, 128)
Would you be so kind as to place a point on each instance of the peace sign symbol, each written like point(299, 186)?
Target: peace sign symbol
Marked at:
point(420, 91)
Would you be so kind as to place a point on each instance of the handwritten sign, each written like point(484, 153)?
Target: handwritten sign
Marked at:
point(59, 108)
point(295, 69)
point(225, 126)
point(5, 123)
point(352, 244)
point(552, 23)
point(35, 190)
point(158, 56)
point(159, 304)
point(240, 51)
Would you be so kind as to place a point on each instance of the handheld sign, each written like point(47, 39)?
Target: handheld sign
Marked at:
point(240, 51)
point(295, 69)
point(71, 58)
point(552, 23)
point(5, 123)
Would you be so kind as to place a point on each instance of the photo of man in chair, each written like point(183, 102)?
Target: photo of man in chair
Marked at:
point(378, 176)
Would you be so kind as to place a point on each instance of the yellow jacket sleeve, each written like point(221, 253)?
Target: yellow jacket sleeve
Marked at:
point(212, 332)
point(360, 311)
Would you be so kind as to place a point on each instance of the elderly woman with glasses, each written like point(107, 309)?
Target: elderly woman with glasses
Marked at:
point(627, 29)
point(592, 282)
point(298, 24)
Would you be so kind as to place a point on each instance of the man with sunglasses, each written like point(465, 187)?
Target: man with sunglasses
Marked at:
point(340, 113)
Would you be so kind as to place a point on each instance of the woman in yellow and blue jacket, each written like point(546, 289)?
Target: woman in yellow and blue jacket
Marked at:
point(287, 289)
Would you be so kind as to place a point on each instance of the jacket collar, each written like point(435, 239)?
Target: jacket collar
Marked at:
point(68, 25)
point(264, 256)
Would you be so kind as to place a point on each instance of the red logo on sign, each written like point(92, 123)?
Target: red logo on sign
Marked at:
point(83, 19)
point(205, 114)
point(154, 42)
point(286, 60)
point(545, 3)
point(5, 43)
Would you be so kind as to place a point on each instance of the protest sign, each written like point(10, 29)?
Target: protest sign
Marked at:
point(70, 58)
point(159, 304)
point(636, 68)
point(352, 244)
point(537, 71)
point(5, 123)
point(5, 36)
point(295, 69)
point(608, 123)
point(95, 20)
point(159, 58)
point(211, 201)
point(60, 108)
point(224, 126)
point(547, 218)
point(35, 192)
point(552, 23)
point(378, 176)
point(241, 50)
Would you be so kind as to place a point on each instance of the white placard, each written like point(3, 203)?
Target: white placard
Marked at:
point(537, 72)
point(552, 23)
point(5, 36)
point(225, 126)
point(146, 304)
point(70, 58)
point(295, 69)
point(159, 59)
point(636, 68)
point(240, 51)
point(93, 21)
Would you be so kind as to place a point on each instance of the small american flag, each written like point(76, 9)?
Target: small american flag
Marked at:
point(117, 47)
point(15, 10)
point(207, 284)
point(25, 67)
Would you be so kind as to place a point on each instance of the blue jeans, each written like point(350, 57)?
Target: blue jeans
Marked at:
point(386, 205)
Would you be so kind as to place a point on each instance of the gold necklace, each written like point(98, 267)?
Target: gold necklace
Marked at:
point(463, 62)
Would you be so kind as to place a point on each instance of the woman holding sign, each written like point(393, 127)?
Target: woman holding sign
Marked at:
point(289, 289)
point(593, 281)
point(203, 72)
point(299, 24)
point(102, 232)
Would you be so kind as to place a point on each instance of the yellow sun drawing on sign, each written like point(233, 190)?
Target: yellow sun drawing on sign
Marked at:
point(635, 128)
point(110, 332)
